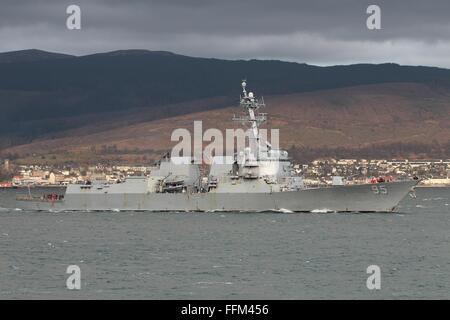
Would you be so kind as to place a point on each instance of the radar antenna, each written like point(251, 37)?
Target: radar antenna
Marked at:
point(253, 117)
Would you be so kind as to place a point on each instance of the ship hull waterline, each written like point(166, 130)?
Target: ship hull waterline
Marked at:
point(384, 197)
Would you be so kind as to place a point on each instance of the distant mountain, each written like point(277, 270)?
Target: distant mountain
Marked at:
point(391, 120)
point(31, 55)
point(133, 52)
point(38, 89)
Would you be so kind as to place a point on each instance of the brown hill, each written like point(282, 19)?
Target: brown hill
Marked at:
point(371, 117)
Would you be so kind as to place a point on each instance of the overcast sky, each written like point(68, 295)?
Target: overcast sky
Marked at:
point(323, 32)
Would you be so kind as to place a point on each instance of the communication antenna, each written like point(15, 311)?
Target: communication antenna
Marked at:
point(252, 116)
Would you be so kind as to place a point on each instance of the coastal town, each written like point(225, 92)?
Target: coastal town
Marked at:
point(434, 172)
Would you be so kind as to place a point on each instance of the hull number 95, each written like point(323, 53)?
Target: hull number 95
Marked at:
point(379, 189)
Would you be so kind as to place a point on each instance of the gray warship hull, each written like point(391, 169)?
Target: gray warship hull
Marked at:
point(382, 197)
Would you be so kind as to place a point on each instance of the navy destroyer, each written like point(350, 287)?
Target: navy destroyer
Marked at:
point(252, 180)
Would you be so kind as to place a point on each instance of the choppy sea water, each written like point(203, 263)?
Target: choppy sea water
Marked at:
point(125, 255)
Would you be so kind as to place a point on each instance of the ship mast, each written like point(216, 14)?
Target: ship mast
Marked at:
point(253, 117)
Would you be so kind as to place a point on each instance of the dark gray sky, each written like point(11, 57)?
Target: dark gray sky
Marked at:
point(320, 32)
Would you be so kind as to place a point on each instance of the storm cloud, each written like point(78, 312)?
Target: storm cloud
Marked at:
point(322, 32)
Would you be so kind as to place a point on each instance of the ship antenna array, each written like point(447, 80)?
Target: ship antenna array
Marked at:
point(251, 105)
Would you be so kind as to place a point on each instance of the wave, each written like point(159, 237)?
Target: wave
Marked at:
point(283, 210)
point(322, 211)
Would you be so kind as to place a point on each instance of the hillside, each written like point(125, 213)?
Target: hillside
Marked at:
point(44, 94)
point(31, 55)
point(385, 120)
